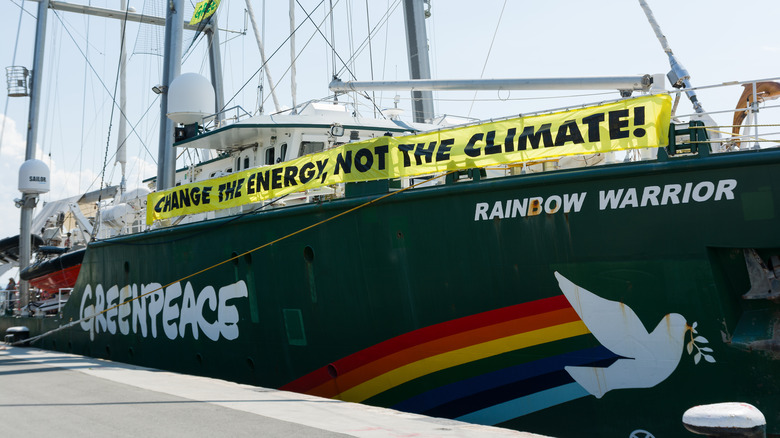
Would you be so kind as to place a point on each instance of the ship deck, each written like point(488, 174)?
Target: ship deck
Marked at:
point(56, 394)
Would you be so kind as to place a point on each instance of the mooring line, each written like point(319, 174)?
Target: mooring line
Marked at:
point(365, 204)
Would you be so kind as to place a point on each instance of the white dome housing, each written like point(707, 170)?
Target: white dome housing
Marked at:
point(190, 98)
point(34, 177)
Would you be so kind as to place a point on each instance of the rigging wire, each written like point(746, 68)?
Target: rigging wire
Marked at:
point(92, 67)
point(318, 29)
point(384, 59)
point(261, 47)
point(487, 57)
point(23, 10)
point(295, 59)
point(189, 52)
point(370, 51)
point(150, 35)
point(367, 41)
point(113, 155)
point(332, 36)
point(84, 100)
point(261, 82)
point(51, 107)
point(266, 62)
point(351, 38)
point(111, 118)
point(434, 44)
point(335, 53)
point(381, 23)
point(375, 107)
point(119, 67)
point(13, 62)
point(201, 25)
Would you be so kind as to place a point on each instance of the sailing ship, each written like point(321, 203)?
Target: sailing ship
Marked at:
point(535, 295)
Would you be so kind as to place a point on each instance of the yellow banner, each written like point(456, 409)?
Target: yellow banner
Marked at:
point(203, 10)
point(629, 124)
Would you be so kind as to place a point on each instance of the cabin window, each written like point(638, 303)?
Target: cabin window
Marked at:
point(238, 163)
point(310, 147)
point(229, 170)
point(282, 152)
point(246, 162)
point(269, 156)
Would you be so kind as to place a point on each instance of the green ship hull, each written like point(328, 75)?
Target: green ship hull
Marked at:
point(586, 302)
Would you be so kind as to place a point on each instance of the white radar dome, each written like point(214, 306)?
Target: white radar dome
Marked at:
point(34, 177)
point(190, 98)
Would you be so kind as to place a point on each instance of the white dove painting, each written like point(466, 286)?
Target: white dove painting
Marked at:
point(647, 359)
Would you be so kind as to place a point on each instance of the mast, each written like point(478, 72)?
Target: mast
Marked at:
point(293, 87)
point(121, 141)
point(678, 76)
point(30, 200)
point(215, 67)
point(166, 159)
point(260, 46)
point(419, 64)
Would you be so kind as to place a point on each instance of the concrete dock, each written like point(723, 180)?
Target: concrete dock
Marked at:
point(45, 393)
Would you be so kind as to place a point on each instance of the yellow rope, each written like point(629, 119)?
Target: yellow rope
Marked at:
point(732, 126)
point(744, 139)
point(720, 132)
point(72, 323)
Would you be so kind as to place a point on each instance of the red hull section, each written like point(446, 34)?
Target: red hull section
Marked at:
point(52, 283)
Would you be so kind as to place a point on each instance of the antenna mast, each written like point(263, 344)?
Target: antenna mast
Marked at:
point(419, 64)
point(678, 76)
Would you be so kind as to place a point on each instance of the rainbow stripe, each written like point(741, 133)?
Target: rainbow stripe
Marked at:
point(485, 368)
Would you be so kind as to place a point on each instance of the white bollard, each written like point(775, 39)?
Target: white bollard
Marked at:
point(726, 420)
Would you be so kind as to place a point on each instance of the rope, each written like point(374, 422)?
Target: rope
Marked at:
point(84, 104)
point(329, 43)
point(266, 62)
point(381, 23)
point(487, 57)
point(114, 102)
point(732, 136)
point(23, 10)
point(308, 15)
point(284, 74)
point(370, 51)
point(96, 228)
point(332, 41)
point(742, 138)
point(343, 213)
point(734, 126)
point(13, 62)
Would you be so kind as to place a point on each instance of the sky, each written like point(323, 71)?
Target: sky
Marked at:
point(715, 40)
